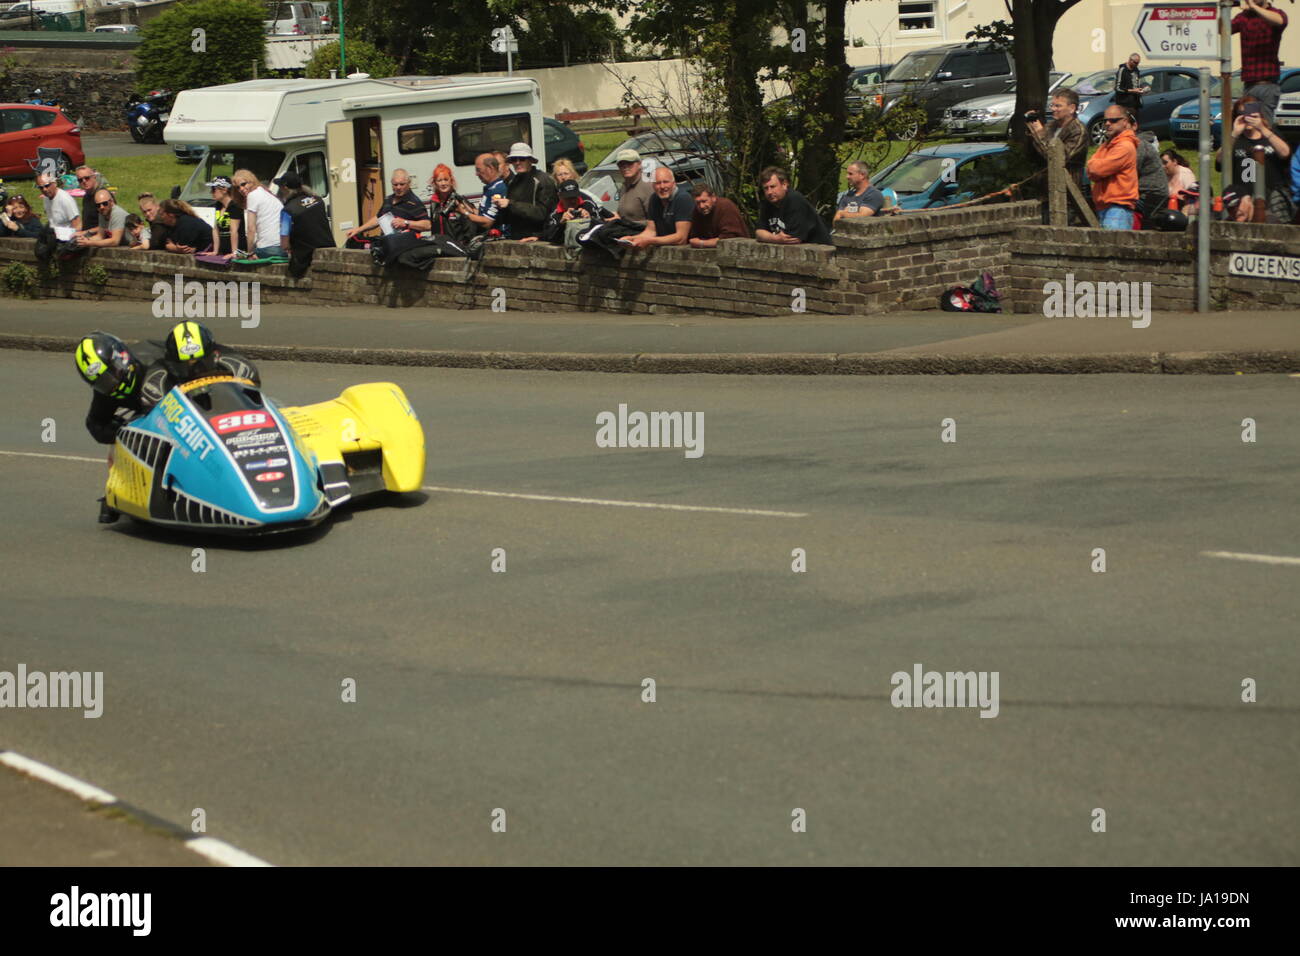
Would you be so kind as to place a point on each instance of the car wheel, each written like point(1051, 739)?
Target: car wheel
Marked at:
point(1097, 132)
point(908, 133)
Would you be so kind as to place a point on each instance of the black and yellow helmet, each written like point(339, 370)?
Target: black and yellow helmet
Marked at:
point(108, 366)
point(191, 348)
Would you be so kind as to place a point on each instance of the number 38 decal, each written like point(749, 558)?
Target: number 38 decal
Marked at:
point(239, 421)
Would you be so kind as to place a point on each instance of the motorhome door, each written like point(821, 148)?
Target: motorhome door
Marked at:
point(340, 154)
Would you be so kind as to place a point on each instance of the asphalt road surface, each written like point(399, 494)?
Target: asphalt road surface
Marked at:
point(522, 691)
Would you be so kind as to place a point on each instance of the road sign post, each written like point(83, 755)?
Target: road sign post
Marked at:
point(503, 41)
point(1204, 205)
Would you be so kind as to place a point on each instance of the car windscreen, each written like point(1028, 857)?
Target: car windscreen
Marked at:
point(264, 163)
point(913, 174)
point(1091, 85)
point(645, 143)
point(914, 67)
point(601, 185)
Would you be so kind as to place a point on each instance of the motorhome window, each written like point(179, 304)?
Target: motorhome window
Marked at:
point(473, 136)
point(418, 139)
point(264, 163)
point(311, 167)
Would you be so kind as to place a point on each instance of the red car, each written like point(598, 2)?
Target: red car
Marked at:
point(24, 128)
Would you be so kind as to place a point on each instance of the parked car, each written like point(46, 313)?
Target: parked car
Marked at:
point(937, 176)
point(940, 77)
point(1185, 121)
point(296, 17)
point(1171, 87)
point(117, 28)
point(24, 128)
point(862, 81)
point(988, 117)
point(685, 151)
point(563, 143)
point(324, 17)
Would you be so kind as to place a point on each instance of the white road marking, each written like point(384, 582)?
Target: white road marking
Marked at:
point(1258, 558)
point(608, 502)
point(56, 778)
point(33, 454)
point(220, 852)
point(617, 504)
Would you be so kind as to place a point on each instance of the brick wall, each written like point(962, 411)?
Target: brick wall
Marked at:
point(894, 264)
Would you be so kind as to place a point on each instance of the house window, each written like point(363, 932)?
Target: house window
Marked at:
point(917, 14)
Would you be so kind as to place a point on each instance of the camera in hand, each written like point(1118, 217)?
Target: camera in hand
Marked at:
point(1033, 116)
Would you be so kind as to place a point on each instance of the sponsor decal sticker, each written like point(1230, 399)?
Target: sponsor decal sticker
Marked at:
point(239, 421)
point(270, 476)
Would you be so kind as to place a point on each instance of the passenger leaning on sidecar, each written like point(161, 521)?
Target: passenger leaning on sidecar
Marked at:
point(128, 381)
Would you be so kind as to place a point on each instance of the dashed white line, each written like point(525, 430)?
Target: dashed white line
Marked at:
point(618, 504)
point(56, 778)
point(33, 454)
point(1258, 558)
point(221, 852)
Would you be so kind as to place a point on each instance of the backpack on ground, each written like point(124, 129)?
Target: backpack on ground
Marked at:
point(981, 296)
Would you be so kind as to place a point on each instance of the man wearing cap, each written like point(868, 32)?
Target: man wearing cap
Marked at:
point(303, 223)
point(634, 204)
point(530, 195)
point(572, 207)
point(408, 210)
point(669, 213)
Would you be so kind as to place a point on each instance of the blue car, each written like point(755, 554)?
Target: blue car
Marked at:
point(1186, 120)
point(937, 176)
point(1171, 87)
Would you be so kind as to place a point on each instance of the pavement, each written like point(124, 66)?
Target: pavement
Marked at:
point(522, 692)
point(898, 343)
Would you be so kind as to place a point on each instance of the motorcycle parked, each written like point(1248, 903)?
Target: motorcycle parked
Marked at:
point(147, 115)
point(37, 98)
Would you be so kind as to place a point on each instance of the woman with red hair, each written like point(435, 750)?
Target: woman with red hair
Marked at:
point(447, 208)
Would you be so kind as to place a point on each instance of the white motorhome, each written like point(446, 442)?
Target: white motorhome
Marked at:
point(345, 137)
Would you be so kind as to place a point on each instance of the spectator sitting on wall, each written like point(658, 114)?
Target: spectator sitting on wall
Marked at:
point(572, 207)
point(530, 195)
point(1181, 180)
point(563, 170)
point(715, 218)
point(1153, 184)
point(110, 229)
point(1064, 126)
point(261, 215)
point(1113, 171)
point(19, 221)
point(1251, 131)
point(138, 231)
point(309, 225)
point(634, 204)
point(1260, 25)
point(784, 215)
point(91, 181)
point(60, 208)
point(670, 212)
point(407, 210)
point(448, 210)
point(230, 214)
point(487, 217)
point(157, 228)
point(861, 199)
point(503, 163)
point(186, 232)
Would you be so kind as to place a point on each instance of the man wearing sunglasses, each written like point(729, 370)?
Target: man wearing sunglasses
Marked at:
point(60, 208)
point(90, 180)
point(1113, 171)
point(111, 230)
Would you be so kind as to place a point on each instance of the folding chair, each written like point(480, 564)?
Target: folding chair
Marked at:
point(49, 160)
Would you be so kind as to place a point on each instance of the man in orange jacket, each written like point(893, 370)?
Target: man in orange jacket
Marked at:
point(1113, 171)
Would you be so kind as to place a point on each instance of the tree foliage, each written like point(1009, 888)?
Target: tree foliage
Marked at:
point(362, 57)
point(229, 42)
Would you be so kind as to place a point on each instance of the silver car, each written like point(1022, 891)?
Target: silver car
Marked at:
point(987, 117)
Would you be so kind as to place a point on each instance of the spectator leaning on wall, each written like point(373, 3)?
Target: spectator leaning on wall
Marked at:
point(715, 218)
point(1113, 170)
point(60, 208)
point(1260, 25)
point(670, 211)
point(634, 204)
point(530, 194)
point(861, 199)
point(785, 216)
point(406, 208)
point(91, 181)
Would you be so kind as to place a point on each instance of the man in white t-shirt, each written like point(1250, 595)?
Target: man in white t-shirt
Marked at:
point(61, 210)
point(261, 215)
